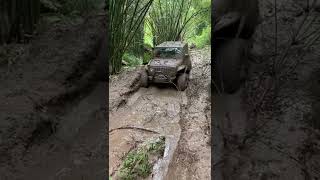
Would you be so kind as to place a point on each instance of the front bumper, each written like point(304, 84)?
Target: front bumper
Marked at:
point(162, 74)
point(161, 78)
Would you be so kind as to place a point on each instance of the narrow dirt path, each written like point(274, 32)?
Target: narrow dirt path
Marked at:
point(165, 111)
point(192, 159)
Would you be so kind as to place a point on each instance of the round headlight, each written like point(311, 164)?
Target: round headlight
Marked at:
point(151, 70)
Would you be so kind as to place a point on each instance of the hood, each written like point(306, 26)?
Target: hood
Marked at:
point(165, 62)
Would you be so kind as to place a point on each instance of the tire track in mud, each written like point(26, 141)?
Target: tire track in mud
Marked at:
point(193, 155)
point(77, 149)
point(179, 116)
point(152, 109)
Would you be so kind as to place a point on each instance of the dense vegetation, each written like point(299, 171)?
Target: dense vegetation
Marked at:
point(126, 18)
point(138, 162)
point(175, 20)
point(135, 25)
point(141, 24)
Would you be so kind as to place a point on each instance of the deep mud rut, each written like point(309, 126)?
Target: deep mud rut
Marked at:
point(137, 114)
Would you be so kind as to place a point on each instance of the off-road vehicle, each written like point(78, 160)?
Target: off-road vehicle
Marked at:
point(170, 64)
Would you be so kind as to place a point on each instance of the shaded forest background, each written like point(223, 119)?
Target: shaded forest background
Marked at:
point(20, 19)
point(139, 25)
point(135, 26)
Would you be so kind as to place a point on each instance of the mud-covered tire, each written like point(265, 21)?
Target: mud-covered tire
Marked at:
point(229, 59)
point(144, 79)
point(182, 82)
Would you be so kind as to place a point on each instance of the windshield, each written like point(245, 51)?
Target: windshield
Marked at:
point(168, 52)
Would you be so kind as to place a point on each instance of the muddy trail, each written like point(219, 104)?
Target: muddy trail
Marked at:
point(270, 130)
point(52, 114)
point(76, 150)
point(183, 118)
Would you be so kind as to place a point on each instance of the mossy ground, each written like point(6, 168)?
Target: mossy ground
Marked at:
point(138, 163)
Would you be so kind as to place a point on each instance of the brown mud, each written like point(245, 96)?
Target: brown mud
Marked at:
point(183, 118)
point(267, 130)
point(52, 115)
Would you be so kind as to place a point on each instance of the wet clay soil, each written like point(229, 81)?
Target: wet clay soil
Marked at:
point(182, 117)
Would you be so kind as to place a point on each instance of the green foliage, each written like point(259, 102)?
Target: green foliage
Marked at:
point(132, 60)
point(136, 46)
point(157, 147)
point(126, 17)
point(148, 35)
point(137, 163)
point(203, 39)
point(168, 20)
point(199, 31)
point(147, 56)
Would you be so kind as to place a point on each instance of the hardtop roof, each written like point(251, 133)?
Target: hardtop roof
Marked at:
point(171, 44)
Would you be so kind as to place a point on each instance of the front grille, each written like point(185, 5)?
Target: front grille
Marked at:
point(164, 70)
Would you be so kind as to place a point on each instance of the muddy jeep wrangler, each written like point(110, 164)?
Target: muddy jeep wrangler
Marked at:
point(170, 64)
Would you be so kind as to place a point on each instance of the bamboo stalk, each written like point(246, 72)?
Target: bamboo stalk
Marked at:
point(124, 24)
point(170, 23)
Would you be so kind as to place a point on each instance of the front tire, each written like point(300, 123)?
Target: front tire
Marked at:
point(144, 79)
point(182, 82)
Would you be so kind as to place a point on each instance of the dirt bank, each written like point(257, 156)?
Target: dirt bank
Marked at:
point(51, 118)
point(270, 131)
point(143, 113)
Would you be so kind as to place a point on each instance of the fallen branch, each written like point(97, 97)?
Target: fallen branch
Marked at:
point(135, 128)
